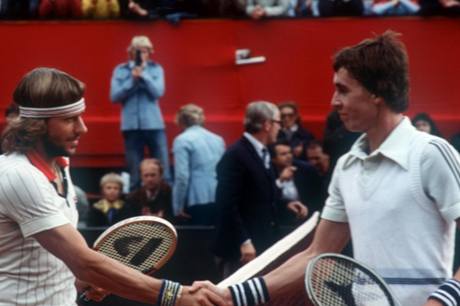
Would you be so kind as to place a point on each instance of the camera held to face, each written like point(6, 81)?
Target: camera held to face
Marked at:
point(138, 58)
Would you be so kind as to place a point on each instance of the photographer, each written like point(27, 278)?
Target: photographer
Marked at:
point(137, 85)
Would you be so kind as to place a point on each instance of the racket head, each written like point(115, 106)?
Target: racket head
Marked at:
point(337, 280)
point(144, 243)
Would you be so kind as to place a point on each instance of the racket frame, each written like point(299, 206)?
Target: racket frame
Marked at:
point(363, 267)
point(140, 219)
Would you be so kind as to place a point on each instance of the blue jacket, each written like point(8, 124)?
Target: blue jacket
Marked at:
point(196, 153)
point(139, 99)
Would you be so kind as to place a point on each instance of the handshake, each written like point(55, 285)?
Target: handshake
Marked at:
point(249, 293)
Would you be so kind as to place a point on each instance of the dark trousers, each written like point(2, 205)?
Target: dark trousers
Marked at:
point(135, 143)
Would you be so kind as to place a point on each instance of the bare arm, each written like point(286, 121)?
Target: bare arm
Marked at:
point(289, 277)
point(67, 244)
point(329, 237)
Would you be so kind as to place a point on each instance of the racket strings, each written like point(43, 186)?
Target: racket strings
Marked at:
point(141, 246)
point(342, 283)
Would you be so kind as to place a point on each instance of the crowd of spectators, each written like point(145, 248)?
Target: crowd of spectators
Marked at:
point(175, 10)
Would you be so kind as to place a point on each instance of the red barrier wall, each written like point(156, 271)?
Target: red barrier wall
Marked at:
point(198, 57)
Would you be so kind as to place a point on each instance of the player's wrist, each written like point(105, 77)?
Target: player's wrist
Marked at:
point(448, 294)
point(227, 296)
point(170, 293)
point(250, 293)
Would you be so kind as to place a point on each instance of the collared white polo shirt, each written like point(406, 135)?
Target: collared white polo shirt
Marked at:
point(29, 274)
point(400, 202)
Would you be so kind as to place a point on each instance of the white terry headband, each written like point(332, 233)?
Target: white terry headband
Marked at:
point(60, 111)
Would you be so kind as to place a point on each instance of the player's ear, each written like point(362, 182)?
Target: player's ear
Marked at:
point(377, 100)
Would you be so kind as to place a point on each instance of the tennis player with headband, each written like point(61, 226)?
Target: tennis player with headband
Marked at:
point(396, 193)
point(41, 252)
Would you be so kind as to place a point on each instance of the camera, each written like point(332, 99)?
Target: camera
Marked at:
point(138, 58)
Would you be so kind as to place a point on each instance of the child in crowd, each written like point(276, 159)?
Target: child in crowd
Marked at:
point(111, 208)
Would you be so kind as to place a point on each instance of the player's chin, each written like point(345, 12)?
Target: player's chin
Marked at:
point(71, 150)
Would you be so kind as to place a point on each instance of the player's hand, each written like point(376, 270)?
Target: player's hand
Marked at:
point(223, 292)
point(96, 294)
point(248, 252)
point(200, 297)
point(300, 210)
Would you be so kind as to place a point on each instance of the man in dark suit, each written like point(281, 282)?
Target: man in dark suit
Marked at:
point(246, 195)
point(299, 182)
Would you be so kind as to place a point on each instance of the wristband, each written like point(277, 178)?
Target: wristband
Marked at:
point(250, 293)
point(169, 293)
point(448, 294)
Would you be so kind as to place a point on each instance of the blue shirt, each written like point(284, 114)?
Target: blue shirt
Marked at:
point(139, 98)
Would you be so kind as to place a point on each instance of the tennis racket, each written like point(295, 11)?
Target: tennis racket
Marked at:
point(337, 280)
point(143, 243)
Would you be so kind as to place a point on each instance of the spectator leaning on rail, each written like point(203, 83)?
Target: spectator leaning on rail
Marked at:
point(137, 85)
point(154, 197)
point(196, 153)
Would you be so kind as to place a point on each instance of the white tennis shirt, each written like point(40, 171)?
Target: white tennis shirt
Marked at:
point(29, 204)
point(401, 202)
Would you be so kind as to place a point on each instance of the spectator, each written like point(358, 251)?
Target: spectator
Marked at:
point(147, 9)
point(292, 131)
point(246, 195)
point(100, 9)
point(321, 161)
point(196, 153)
point(111, 208)
point(303, 8)
point(395, 7)
point(154, 197)
point(258, 9)
point(60, 9)
point(138, 85)
point(424, 123)
point(299, 184)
